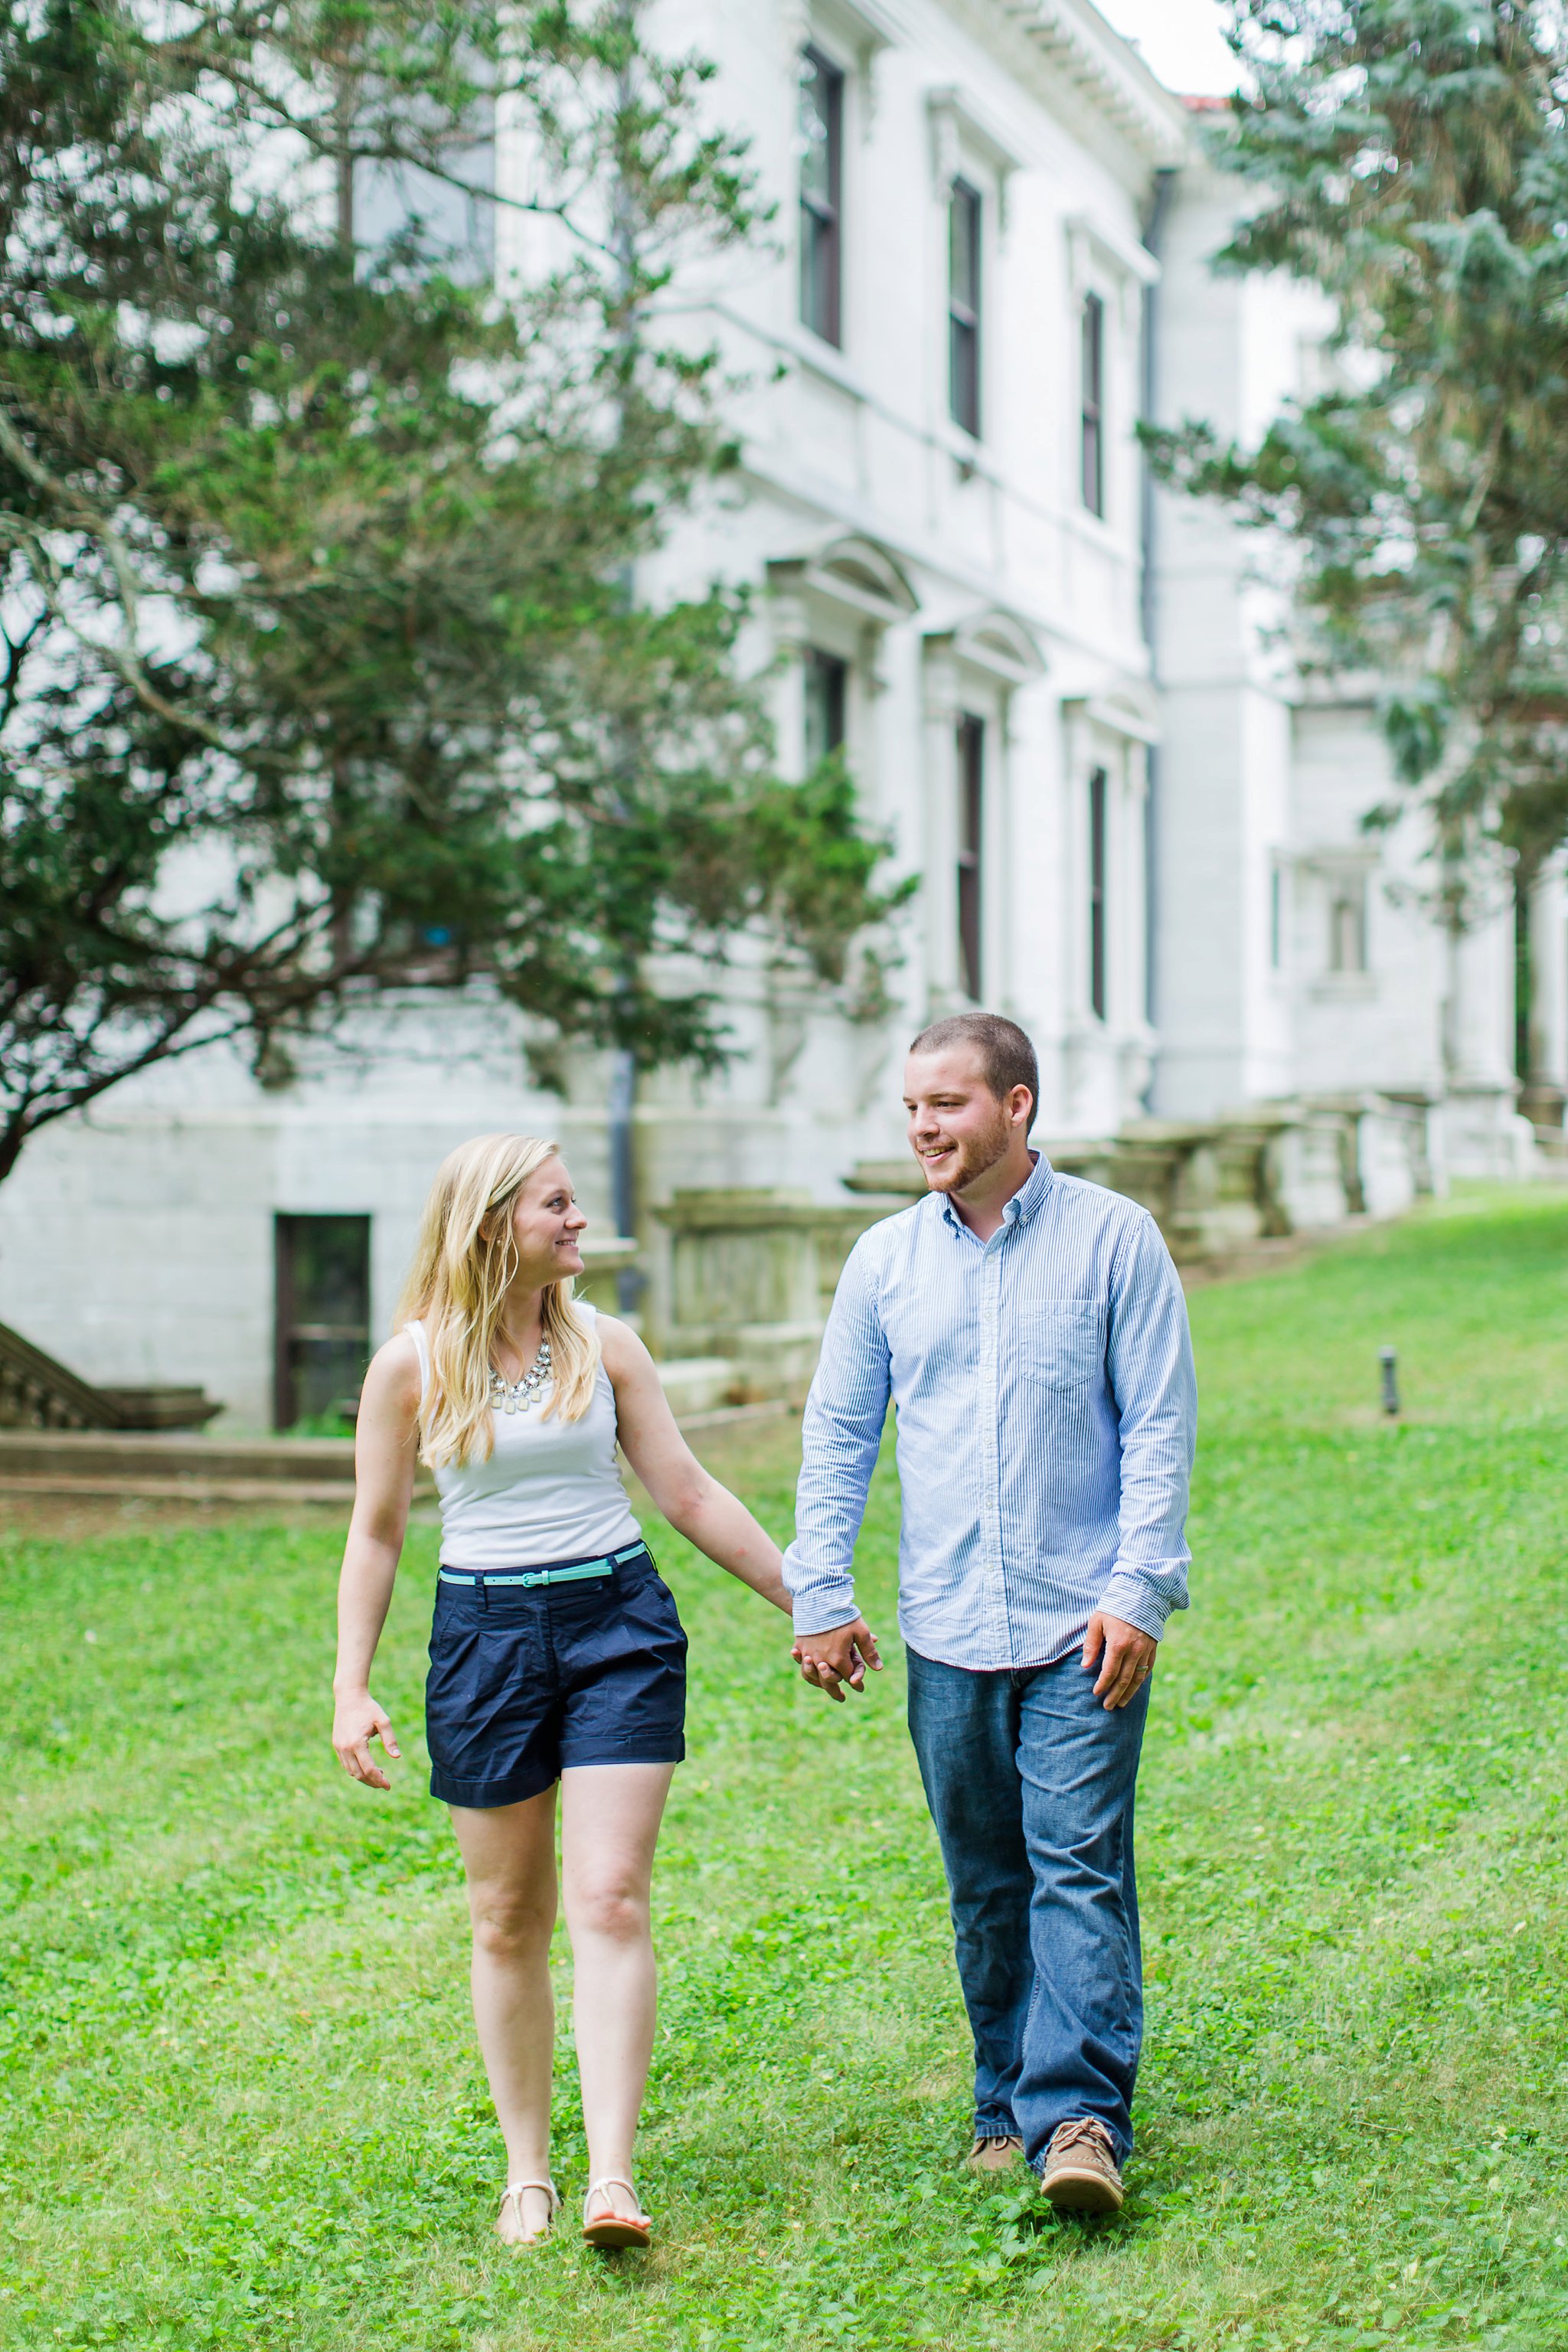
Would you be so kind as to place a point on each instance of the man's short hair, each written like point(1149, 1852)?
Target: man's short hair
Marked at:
point(1007, 1057)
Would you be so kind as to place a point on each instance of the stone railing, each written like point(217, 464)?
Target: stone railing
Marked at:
point(603, 1263)
point(37, 1391)
point(753, 1275)
point(1214, 1187)
point(752, 1271)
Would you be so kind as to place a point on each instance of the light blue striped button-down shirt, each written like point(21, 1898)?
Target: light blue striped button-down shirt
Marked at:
point(1047, 1410)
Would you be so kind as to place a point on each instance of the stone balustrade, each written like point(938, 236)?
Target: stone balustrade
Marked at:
point(753, 1269)
point(752, 1277)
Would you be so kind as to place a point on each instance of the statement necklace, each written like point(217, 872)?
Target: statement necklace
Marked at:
point(516, 1396)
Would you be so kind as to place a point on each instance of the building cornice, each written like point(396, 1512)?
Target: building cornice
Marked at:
point(1077, 41)
point(862, 25)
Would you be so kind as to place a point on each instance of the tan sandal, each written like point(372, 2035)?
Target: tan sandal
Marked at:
point(513, 2195)
point(615, 2229)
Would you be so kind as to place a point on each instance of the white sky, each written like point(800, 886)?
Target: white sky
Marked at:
point(1180, 39)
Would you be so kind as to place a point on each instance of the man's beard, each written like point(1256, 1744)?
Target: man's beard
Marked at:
point(977, 1155)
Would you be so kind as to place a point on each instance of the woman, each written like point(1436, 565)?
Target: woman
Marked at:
point(556, 1652)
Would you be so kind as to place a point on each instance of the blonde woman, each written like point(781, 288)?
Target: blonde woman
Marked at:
point(556, 1652)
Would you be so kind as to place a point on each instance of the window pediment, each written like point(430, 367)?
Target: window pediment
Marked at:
point(999, 643)
point(1130, 710)
point(1095, 243)
point(852, 571)
point(959, 126)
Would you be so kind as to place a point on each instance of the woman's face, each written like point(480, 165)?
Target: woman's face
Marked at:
point(546, 1225)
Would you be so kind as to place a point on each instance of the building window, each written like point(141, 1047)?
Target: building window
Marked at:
point(970, 836)
point(826, 700)
point(821, 177)
point(963, 305)
point(447, 223)
point(1347, 923)
point(1097, 792)
point(1276, 916)
point(323, 1267)
point(1094, 405)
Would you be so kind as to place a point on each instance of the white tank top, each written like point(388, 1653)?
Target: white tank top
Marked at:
point(551, 1489)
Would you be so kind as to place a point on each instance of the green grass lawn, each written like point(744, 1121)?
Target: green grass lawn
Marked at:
point(243, 2107)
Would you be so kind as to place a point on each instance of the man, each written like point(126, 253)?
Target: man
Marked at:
point(1031, 1333)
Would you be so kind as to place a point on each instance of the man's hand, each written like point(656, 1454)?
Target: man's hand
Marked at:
point(1129, 1657)
point(827, 1661)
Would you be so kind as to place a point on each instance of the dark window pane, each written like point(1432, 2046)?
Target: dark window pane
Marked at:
point(971, 839)
point(963, 307)
point(963, 260)
point(323, 1314)
point(827, 699)
point(1094, 405)
point(448, 222)
point(819, 91)
point(821, 177)
point(1347, 926)
point(1096, 892)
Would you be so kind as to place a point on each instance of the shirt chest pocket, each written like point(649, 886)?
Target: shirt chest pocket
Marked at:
point(1061, 1345)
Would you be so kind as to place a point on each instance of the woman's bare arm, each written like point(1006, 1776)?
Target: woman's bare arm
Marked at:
point(696, 1504)
point(385, 1453)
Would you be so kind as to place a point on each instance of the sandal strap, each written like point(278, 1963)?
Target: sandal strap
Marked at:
point(516, 2188)
point(614, 2180)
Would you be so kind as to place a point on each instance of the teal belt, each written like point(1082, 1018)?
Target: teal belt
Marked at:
point(583, 1567)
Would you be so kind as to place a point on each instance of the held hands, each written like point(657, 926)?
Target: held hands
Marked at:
point(827, 1661)
point(1128, 1658)
point(356, 1721)
point(1124, 1654)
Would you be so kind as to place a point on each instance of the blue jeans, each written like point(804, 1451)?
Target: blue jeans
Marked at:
point(1030, 1783)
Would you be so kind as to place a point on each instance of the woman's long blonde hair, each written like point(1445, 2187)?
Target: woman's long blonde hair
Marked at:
point(465, 1259)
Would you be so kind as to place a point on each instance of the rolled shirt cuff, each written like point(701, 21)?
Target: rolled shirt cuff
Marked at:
point(820, 1599)
point(817, 1613)
point(1145, 1596)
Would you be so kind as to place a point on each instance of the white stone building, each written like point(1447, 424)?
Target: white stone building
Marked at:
point(1133, 831)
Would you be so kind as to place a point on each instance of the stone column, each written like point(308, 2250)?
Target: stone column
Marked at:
point(1482, 1133)
point(791, 635)
point(1546, 1085)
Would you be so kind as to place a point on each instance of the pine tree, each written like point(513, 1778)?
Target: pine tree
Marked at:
point(1411, 157)
point(319, 667)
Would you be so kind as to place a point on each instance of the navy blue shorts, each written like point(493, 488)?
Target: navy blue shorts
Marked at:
point(527, 1680)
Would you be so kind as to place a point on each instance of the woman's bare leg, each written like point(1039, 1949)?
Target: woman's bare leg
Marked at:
point(609, 1826)
point(508, 1859)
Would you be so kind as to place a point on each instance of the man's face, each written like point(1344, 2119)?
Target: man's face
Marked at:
point(958, 1128)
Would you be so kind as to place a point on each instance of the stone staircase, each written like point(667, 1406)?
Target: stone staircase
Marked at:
point(39, 1392)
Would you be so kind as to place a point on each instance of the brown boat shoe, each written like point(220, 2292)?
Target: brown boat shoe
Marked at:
point(995, 2152)
point(1080, 2174)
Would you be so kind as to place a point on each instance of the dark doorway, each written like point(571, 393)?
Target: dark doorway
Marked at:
point(323, 1314)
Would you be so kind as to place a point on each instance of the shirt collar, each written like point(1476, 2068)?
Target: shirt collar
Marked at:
point(1024, 1202)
